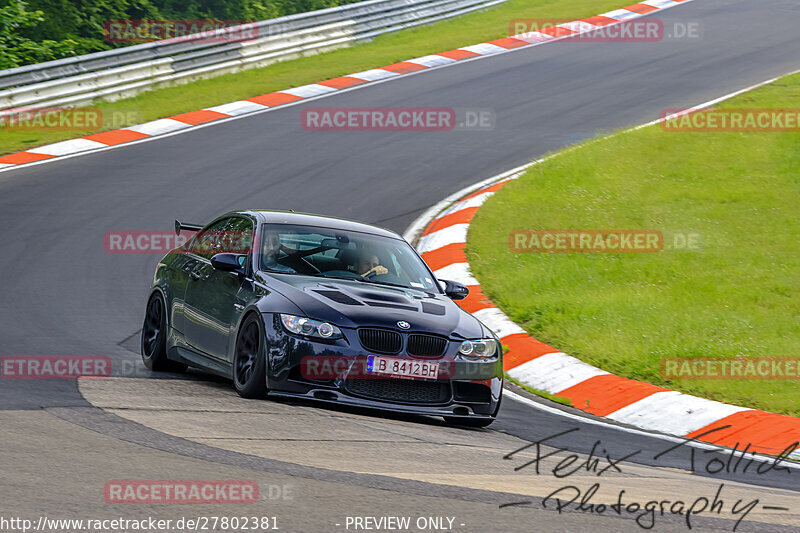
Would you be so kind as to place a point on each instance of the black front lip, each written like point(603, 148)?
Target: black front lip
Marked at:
point(454, 410)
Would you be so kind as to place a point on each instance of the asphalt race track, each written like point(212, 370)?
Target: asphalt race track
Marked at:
point(63, 294)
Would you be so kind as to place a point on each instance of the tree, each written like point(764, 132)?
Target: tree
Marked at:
point(15, 49)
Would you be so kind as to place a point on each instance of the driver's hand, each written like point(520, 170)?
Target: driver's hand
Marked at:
point(380, 269)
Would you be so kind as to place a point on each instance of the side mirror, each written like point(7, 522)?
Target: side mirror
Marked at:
point(454, 290)
point(228, 262)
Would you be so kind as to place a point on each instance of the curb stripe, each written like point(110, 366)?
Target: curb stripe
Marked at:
point(621, 14)
point(457, 233)
point(342, 82)
point(458, 54)
point(496, 321)
point(404, 67)
point(642, 9)
point(241, 107)
point(602, 395)
point(433, 60)
point(600, 20)
point(198, 117)
point(22, 157)
point(554, 372)
point(484, 49)
point(509, 42)
point(476, 200)
point(475, 300)
point(674, 413)
point(274, 99)
point(441, 257)
point(777, 431)
point(158, 127)
point(309, 91)
point(523, 348)
point(557, 31)
point(459, 217)
point(458, 272)
point(110, 138)
point(67, 147)
point(374, 74)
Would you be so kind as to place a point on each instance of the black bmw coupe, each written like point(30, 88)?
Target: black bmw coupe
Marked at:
point(297, 305)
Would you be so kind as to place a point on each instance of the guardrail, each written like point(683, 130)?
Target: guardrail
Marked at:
point(123, 72)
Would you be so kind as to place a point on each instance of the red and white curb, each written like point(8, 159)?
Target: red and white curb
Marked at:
point(442, 235)
point(185, 121)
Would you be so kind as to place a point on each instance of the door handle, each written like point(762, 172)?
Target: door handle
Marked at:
point(238, 307)
point(194, 275)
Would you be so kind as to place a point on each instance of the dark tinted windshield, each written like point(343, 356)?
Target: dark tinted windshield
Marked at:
point(324, 252)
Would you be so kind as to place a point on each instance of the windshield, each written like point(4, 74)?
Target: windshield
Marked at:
point(329, 253)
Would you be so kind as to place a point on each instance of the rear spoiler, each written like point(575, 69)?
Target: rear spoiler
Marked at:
point(189, 227)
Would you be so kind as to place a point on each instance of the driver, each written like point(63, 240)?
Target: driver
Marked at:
point(270, 251)
point(370, 265)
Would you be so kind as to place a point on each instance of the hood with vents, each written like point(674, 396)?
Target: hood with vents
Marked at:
point(355, 304)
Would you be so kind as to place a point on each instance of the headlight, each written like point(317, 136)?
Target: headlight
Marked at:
point(311, 328)
point(478, 348)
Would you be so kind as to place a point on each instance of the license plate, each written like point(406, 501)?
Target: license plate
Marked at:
point(394, 366)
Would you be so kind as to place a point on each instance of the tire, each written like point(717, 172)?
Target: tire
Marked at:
point(468, 422)
point(249, 360)
point(154, 338)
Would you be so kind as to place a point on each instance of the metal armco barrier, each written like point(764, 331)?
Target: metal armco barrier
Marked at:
point(123, 72)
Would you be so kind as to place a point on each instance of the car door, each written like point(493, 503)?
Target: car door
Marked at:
point(215, 299)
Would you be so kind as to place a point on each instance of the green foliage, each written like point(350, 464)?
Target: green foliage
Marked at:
point(16, 49)
point(33, 31)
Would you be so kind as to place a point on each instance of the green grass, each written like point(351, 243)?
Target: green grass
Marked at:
point(738, 296)
point(537, 392)
point(465, 30)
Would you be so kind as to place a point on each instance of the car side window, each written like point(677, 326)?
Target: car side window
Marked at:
point(209, 241)
point(239, 236)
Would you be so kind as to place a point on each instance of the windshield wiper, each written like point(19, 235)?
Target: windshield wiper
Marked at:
point(362, 280)
point(367, 280)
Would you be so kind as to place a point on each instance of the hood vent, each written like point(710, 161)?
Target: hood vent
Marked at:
point(338, 297)
point(433, 309)
point(384, 296)
point(393, 306)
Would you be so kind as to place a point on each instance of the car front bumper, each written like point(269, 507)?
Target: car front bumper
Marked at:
point(468, 388)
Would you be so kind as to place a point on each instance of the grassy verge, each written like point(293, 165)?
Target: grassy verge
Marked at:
point(469, 29)
point(737, 296)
